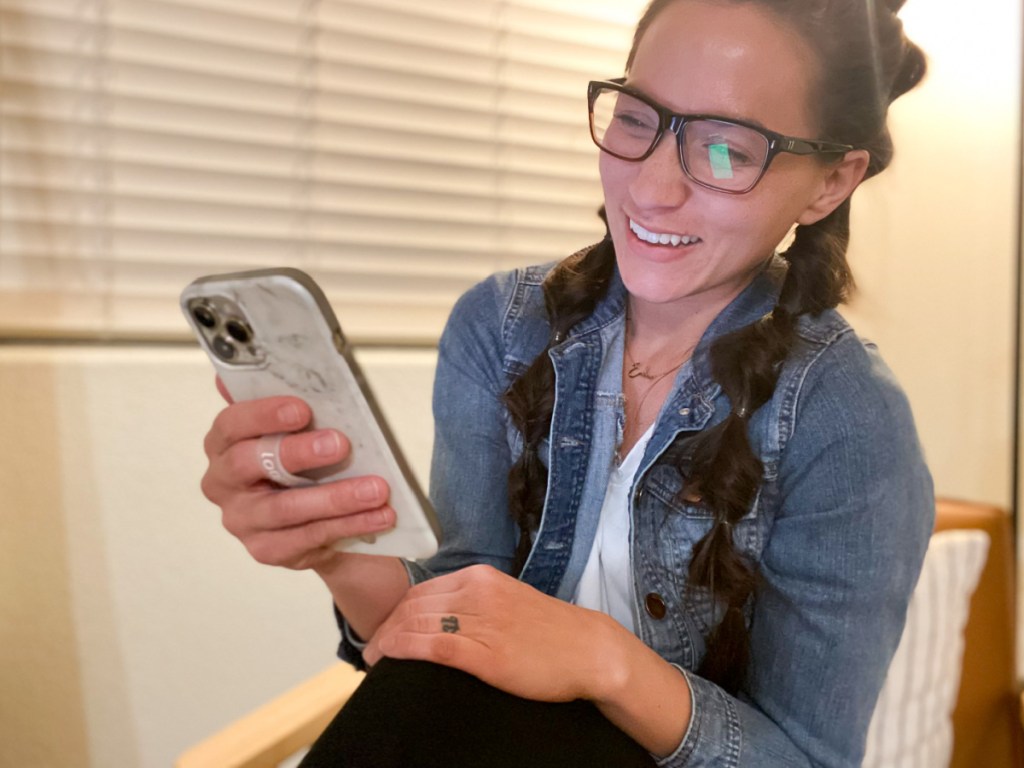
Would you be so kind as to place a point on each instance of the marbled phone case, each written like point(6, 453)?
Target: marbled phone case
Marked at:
point(272, 332)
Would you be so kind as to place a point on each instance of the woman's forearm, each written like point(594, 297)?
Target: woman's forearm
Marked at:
point(366, 588)
point(642, 694)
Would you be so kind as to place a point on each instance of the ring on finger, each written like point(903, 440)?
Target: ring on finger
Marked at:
point(268, 451)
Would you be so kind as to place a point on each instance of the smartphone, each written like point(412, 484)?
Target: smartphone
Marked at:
point(272, 332)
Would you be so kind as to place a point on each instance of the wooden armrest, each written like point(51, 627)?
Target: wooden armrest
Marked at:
point(280, 728)
point(985, 721)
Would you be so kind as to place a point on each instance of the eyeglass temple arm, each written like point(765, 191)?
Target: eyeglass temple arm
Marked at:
point(802, 147)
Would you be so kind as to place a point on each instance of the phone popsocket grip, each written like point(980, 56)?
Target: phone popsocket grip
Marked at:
point(268, 449)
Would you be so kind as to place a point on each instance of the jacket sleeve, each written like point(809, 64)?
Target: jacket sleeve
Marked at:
point(852, 521)
point(471, 457)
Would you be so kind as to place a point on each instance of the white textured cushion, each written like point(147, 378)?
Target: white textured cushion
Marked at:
point(912, 724)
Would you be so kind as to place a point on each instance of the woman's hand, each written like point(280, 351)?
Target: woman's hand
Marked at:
point(506, 633)
point(290, 527)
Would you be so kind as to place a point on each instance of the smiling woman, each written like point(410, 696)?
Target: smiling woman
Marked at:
point(141, 629)
point(676, 490)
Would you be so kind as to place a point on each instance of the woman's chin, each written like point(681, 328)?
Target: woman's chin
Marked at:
point(655, 280)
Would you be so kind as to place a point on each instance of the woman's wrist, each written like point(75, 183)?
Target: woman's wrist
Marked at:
point(637, 690)
point(609, 646)
point(365, 588)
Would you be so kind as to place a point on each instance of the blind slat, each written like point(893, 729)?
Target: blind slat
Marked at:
point(72, 172)
point(397, 150)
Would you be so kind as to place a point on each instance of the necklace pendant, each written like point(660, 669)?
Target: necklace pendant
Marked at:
point(636, 371)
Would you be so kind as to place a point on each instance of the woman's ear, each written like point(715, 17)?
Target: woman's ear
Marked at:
point(840, 180)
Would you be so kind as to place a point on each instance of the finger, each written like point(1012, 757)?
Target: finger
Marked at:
point(312, 450)
point(300, 546)
point(253, 418)
point(412, 607)
point(430, 623)
point(291, 507)
point(453, 649)
point(224, 391)
point(268, 454)
point(245, 463)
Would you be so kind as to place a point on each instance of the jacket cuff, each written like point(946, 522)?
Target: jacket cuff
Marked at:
point(713, 735)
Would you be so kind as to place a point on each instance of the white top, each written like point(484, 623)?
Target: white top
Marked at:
point(607, 581)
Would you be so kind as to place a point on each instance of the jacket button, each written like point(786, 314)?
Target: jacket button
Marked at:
point(655, 605)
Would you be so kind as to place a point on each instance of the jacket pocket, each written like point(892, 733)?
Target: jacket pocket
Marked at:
point(671, 528)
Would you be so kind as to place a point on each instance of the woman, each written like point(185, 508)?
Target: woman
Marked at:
point(716, 503)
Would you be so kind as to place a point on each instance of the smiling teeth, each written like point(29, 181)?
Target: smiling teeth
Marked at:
point(661, 238)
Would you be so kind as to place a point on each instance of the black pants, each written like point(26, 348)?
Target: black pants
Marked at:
point(413, 714)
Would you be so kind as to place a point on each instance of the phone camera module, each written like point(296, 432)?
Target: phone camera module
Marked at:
point(204, 316)
point(238, 331)
point(223, 348)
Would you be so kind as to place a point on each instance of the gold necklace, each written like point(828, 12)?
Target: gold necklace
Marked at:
point(650, 387)
point(642, 371)
point(636, 371)
point(632, 420)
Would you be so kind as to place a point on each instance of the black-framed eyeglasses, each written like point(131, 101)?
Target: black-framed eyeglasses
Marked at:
point(718, 153)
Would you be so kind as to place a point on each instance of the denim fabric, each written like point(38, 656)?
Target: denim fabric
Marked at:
point(838, 529)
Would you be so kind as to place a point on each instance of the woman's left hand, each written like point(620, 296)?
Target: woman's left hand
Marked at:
point(504, 632)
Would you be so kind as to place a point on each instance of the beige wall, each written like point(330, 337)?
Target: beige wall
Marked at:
point(934, 243)
point(132, 624)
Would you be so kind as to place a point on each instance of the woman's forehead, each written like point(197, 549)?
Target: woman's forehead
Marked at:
point(731, 59)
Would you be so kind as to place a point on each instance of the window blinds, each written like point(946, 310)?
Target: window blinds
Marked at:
point(397, 150)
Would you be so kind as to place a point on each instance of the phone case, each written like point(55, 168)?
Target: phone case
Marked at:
point(271, 332)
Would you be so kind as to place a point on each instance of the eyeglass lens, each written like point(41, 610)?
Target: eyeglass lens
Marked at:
point(718, 154)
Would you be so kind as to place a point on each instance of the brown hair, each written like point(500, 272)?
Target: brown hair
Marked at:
point(866, 61)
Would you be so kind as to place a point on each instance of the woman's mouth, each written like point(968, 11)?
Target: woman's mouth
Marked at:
point(661, 238)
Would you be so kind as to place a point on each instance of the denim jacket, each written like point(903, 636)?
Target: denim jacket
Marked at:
point(838, 529)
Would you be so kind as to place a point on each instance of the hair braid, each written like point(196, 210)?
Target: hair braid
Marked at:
point(724, 472)
point(571, 292)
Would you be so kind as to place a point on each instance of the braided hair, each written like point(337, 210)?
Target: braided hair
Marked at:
point(866, 61)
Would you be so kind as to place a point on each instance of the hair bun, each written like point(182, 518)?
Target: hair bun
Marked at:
point(911, 70)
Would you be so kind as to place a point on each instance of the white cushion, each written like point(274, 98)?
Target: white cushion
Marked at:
point(912, 723)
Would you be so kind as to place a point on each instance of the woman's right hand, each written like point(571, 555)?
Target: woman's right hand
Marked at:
point(289, 527)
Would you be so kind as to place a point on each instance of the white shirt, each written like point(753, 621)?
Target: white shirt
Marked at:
point(607, 581)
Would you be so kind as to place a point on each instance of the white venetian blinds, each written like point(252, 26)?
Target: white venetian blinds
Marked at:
point(398, 150)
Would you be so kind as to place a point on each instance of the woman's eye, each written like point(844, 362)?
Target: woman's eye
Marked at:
point(634, 123)
point(739, 157)
point(724, 160)
point(723, 152)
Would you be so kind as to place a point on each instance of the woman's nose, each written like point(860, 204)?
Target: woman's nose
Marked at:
point(660, 181)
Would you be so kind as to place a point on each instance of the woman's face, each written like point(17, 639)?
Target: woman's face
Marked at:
point(730, 60)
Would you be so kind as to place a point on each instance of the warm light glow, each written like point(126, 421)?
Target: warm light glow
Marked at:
point(968, 46)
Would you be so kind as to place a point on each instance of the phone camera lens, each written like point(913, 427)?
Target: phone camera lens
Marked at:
point(204, 316)
point(238, 331)
point(223, 348)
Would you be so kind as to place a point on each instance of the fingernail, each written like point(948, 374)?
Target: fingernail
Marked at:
point(326, 444)
point(368, 654)
point(366, 490)
point(289, 414)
